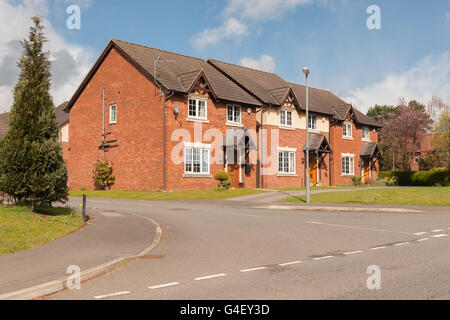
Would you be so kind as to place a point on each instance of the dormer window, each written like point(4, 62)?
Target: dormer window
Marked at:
point(347, 130)
point(197, 108)
point(286, 118)
point(312, 122)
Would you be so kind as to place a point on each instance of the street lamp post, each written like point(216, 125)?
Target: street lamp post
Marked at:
point(306, 72)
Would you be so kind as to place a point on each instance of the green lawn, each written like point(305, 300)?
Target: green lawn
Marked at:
point(326, 187)
point(417, 196)
point(163, 196)
point(21, 229)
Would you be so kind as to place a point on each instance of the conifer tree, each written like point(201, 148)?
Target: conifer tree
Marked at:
point(32, 169)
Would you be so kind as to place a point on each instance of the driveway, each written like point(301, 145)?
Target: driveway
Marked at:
point(222, 250)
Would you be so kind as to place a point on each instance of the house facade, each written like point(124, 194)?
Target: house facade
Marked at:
point(171, 122)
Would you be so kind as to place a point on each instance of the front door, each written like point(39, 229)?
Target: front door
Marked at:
point(233, 170)
point(312, 169)
point(366, 170)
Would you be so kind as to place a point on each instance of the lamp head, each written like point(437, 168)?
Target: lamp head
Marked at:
point(306, 71)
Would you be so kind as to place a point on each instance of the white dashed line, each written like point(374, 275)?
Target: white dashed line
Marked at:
point(378, 248)
point(289, 263)
point(321, 258)
point(112, 295)
point(420, 233)
point(440, 235)
point(210, 277)
point(437, 230)
point(253, 269)
point(401, 244)
point(424, 239)
point(353, 252)
point(171, 284)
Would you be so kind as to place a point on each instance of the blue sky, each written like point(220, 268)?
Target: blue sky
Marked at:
point(408, 57)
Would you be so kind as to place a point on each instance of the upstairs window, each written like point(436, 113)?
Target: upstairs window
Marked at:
point(312, 122)
point(197, 108)
point(113, 114)
point(347, 130)
point(365, 134)
point(234, 114)
point(416, 157)
point(286, 118)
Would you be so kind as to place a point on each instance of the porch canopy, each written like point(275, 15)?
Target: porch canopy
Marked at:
point(237, 138)
point(371, 151)
point(318, 143)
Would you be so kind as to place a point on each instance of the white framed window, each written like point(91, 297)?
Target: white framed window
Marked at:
point(286, 118)
point(312, 122)
point(416, 157)
point(286, 162)
point(347, 130)
point(234, 114)
point(196, 160)
point(366, 134)
point(348, 165)
point(113, 114)
point(197, 108)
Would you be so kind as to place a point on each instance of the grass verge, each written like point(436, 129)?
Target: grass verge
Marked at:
point(165, 196)
point(416, 196)
point(21, 229)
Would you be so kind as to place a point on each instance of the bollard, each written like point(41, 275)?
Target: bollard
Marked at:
point(85, 218)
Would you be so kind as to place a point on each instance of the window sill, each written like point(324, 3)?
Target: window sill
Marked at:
point(348, 138)
point(287, 127)
point(234, 124)
point(193, 175)
point(287, 175)
point(313, 130)
point(197, 120)
point(347, 175)
point(366, 140)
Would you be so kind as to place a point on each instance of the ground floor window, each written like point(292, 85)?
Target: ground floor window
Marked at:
point(196, 160)
point(416, 157)
point(286, 162)
point(347, 165)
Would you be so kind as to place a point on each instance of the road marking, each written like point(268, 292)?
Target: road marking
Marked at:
point(420, 233)
point(115, 294)
point(171, 284)
point(401, 243)
point(437, 230)
point(289, 263)
point(210, 277)
point(253, 269)
point(321, 258)
point(354, 227)
point(378, 248)
point(440, 235)
point(353, 252)
point(424, 239)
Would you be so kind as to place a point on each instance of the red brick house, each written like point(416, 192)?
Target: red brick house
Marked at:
point(169, 122)
point(423, 146)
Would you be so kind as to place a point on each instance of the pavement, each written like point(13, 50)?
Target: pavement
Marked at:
point(230, 250)
point(106, 240)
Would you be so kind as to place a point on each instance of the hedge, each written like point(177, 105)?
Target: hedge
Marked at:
point(419, 178)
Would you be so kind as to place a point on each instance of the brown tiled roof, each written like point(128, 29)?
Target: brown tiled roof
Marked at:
point(259, 83)
point(363, 119)
point(318, 142)
point(176, 72)
point(319, 101)
point(370, 150)
point(342, 112)
point(61, 118)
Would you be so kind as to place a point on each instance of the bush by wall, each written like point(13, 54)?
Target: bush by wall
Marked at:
point(434, 177)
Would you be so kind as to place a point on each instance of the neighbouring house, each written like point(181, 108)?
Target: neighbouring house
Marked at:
point(62, 118)
point(170, 122)
point(423, 146)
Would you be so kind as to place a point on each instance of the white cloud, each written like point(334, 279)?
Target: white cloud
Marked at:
point(264, 63)
point(70, 63)
point(430, 76)
point(239, 13)
point(261, 9)
point(230, 29)
point(448, 15)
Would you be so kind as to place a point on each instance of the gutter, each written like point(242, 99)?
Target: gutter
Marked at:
point(166, 98)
